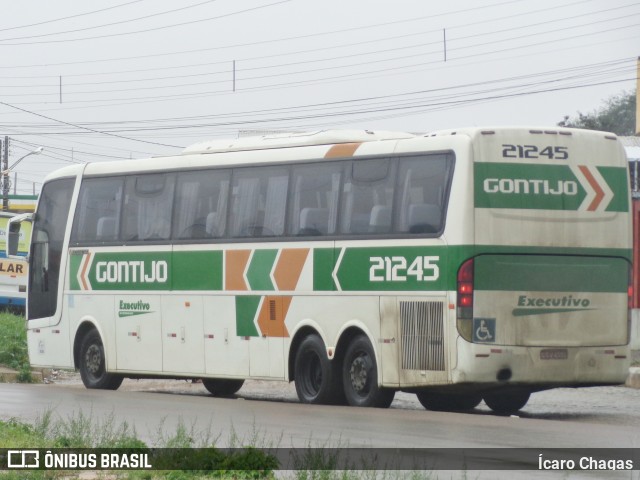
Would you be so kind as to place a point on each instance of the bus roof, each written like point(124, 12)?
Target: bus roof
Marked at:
point(285, 140)
point(196, 154)
point(537, 130)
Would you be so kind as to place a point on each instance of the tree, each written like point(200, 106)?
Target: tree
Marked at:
point(618, 115)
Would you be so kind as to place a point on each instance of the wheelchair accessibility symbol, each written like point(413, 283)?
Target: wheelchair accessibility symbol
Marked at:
point(484, 330)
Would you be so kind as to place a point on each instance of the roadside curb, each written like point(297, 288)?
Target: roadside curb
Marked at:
point(9, 375)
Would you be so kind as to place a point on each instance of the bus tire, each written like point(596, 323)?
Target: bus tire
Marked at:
point(506, 402)
point(222, 387)
point(360, 376)
point(92, 364)
point(442, 402)
point(317, 379)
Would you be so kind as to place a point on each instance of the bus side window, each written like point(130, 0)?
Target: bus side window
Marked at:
point(313, 205)
point(97, 217)
point(258, 202)
point(147, 207)
point(423, 183)
point(201, 204)
point(367, 197)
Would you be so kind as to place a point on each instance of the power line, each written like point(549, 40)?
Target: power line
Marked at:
point(451, 98)
point(85, 128)
point(341, 46)
point(70, 16)
point(580, 71)
point(145, 17)
point(278, 40)
point(182, 24)
point(71, 150)
point(275, 75)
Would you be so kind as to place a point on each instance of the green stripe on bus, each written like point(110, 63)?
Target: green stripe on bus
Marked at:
point(197, 270)
point(548, 187)
point(259, 271)
point(547, 273)
point(414, 268)
point(324, 261)
point(74, 264)
point(616, 178)
point(246, 309)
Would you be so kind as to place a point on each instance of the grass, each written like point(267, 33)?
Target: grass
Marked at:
point(250, 458)
point(13, 345)
point(81, 431)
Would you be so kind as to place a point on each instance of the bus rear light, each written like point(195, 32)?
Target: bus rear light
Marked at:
point(465, 290)
point(465, 300)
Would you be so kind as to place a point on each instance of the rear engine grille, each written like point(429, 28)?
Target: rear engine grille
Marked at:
point(422, 335)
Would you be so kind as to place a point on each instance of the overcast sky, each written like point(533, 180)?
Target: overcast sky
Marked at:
point(93, 81)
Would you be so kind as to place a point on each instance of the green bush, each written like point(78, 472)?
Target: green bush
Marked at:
point(13, 345)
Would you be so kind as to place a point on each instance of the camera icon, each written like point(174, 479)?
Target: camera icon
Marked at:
point(23, 459)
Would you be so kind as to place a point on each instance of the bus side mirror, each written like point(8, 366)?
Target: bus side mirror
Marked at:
point(13, 234)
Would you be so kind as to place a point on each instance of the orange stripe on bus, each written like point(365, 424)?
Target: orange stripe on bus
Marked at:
point(272, 315)
point(289, 267)
point(594, 184)
point(342, 150)
point(235, 265)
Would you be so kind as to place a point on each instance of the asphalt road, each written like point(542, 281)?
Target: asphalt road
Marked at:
point(268, 414)
point(595, 417)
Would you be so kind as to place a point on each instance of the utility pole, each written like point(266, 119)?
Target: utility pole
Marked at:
point(5, 175)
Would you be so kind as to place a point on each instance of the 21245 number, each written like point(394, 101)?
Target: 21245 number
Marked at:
point(394, 269)
point(532, 151)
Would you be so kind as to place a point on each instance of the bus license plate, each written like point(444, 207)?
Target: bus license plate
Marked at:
point(554, 354)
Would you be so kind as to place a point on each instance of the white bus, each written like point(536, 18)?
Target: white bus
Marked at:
point(463, 265)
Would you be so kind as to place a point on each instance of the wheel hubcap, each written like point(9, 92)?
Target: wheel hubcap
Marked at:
point(92, 359)
point(359, 373)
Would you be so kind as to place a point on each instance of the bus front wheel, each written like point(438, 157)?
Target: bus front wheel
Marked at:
point(317, 379)
point(506, 402)
point(360, 376)
point(222, 387)
point(92, 364)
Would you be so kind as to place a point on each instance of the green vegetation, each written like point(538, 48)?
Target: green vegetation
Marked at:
point(617, 115)
point(13, 345)
point(82, 431)
point(245, 459)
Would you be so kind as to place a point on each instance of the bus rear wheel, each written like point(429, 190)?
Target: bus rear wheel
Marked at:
point(506, 402)
point(360, 376)
point(442, 402)
point(92, 364)
point(317, 379)
point(219, 387)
